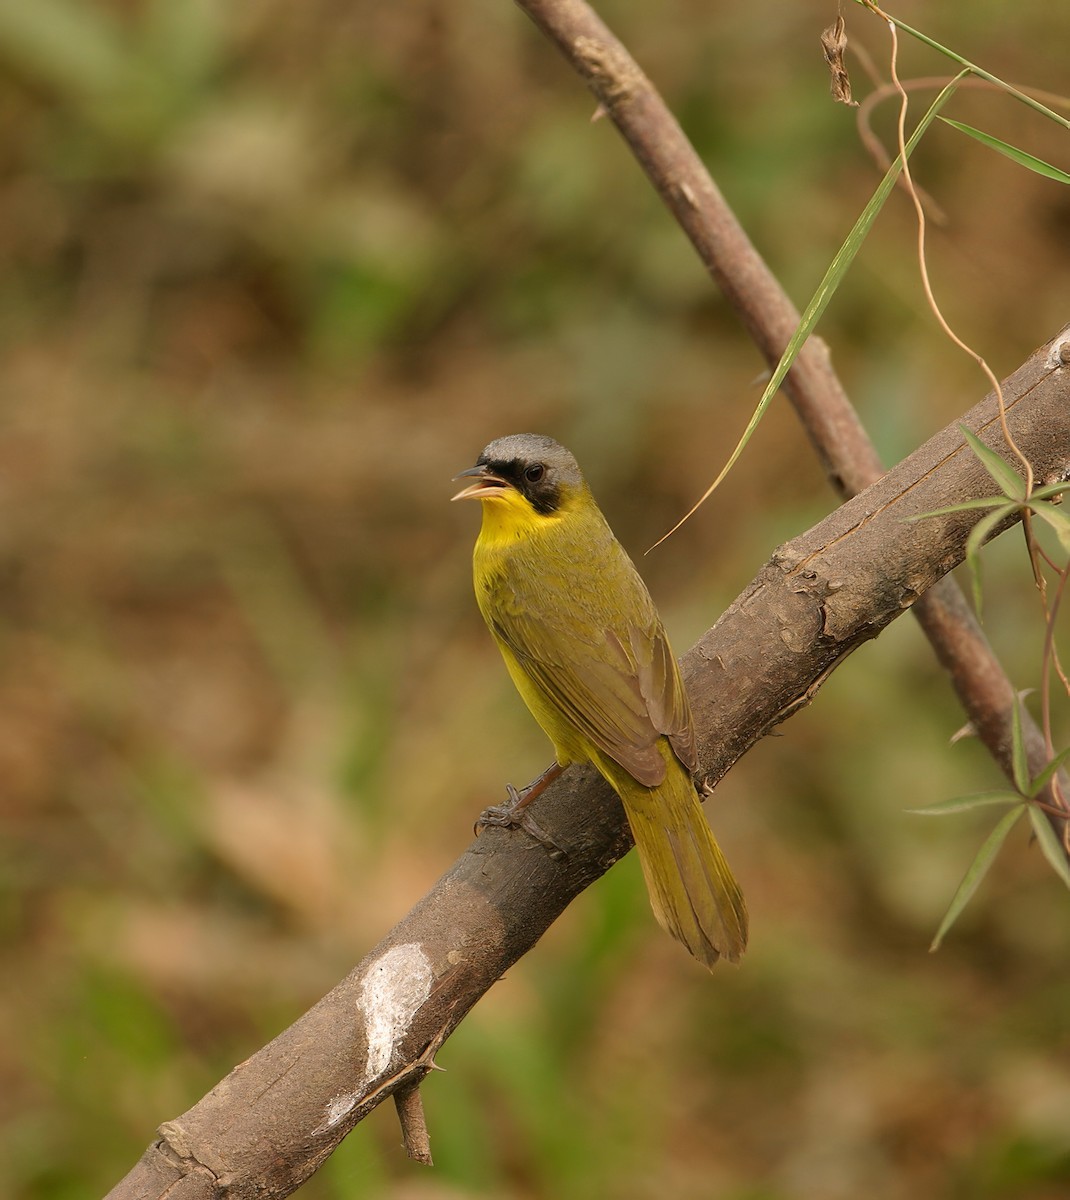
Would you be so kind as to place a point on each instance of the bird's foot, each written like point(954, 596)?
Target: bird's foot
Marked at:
point(514, 813)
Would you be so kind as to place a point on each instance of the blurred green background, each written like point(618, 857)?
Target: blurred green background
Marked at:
point(270, 275)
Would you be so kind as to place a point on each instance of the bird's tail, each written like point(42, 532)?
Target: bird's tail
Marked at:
point(693, 892)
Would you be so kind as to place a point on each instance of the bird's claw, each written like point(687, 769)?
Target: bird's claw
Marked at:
point(513, 815)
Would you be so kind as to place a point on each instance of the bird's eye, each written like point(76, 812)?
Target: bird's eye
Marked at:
point(534, 473)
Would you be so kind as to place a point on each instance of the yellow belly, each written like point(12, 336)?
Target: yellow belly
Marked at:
point(568, 747)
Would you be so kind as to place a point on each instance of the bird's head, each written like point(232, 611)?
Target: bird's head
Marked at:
point(526, 471)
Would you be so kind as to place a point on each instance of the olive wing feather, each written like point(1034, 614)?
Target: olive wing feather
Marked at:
point(617, 684)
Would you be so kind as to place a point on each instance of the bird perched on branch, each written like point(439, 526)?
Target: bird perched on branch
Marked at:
point(587, 651)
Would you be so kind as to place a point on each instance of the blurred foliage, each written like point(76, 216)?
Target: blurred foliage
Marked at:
point(270, 275)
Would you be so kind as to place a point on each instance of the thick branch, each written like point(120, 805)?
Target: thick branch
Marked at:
point(266, 1127)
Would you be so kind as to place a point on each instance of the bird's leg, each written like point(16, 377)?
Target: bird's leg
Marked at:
point(514, 814)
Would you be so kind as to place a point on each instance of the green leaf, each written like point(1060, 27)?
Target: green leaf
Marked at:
point(1037, 165)
point(1002, 472)
point(1019, 762)
point(977, 537)
point(1049, 490)
point(1057, 519)
point(1045, 776)
point(965, 803)
point(977, 871)
point(1050, 844)
point(965, 506)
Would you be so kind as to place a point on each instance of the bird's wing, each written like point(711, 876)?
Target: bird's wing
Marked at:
point(617, 685)
point(663, 690)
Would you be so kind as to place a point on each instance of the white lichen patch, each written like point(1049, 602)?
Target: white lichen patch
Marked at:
point(394, 988)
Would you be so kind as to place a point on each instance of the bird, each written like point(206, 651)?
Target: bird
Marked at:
point(587, 651)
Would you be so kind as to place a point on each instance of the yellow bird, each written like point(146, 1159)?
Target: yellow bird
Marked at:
point(587, 652)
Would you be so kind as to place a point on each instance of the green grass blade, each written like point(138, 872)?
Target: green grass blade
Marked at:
point(1037, 165)
point(826, 289)
point(977, 871)
point(972, 68)
point(1050, 844)
point(965, 803)
point(1002, 472)
point(843, 258)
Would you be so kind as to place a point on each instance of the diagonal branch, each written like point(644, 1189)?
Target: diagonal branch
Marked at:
point(266, 1127)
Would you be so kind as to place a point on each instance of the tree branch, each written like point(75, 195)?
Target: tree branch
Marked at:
point(270, 1123)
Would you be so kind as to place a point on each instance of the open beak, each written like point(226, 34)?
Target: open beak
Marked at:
point(486, 484)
